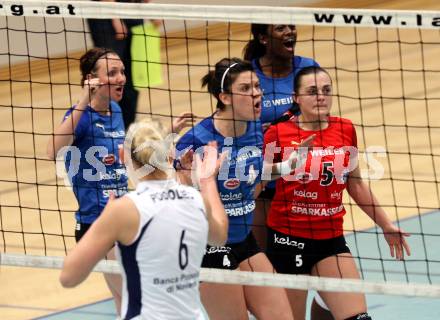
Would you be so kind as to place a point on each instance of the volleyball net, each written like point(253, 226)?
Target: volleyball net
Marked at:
point(386, 72)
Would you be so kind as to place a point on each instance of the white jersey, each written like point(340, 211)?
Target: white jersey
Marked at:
point(161, 267)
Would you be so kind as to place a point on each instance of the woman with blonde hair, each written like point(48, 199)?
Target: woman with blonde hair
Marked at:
point(160, 230)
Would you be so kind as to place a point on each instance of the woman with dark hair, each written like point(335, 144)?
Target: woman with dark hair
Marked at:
point(307, 208)
point(116, 34)
point(272, 53)
point(90, 136)
point(236, 129)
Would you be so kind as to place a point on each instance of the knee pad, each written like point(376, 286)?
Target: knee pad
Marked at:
point(360, 316)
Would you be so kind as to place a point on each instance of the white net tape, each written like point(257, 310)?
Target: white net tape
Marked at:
point(248, 14)
point(255, 278)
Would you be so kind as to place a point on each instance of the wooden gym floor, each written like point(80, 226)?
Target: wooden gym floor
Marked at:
point(31, 203)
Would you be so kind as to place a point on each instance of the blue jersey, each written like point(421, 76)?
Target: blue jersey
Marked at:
point(93, 163)
point(277, 92)
point(238, 176)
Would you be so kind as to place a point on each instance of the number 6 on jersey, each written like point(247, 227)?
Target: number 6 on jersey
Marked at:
point(183, 252)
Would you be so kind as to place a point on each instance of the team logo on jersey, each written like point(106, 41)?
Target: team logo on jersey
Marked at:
point(267, 103)
point(296, 143)
point(109, 159)
point(231, 183)
point(304, 177)
point(336, 195)
point(231, 196)
point(305, 194)
point(100, 125)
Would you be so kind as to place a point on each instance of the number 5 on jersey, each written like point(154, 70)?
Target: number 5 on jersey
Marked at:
point(298, 260)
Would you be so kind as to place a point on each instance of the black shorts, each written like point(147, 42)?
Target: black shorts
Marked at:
point(267, 194)
point(80, 230)
point(231, 255)
point(295, 255)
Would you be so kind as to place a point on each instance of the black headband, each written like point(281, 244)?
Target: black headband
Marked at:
point(106, 51)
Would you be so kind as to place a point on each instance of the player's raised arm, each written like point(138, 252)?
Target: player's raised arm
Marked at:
point(207, 170)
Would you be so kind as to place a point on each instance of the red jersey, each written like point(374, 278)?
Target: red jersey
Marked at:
point(308, 203)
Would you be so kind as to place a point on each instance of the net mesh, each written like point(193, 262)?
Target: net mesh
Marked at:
point(385, 66)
